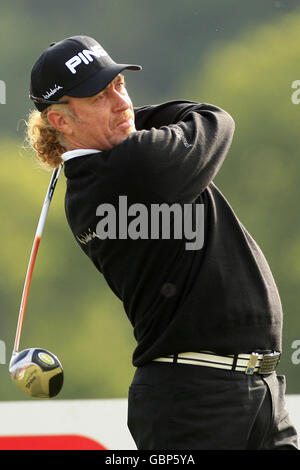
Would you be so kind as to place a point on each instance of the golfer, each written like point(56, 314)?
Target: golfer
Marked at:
point(206, 316)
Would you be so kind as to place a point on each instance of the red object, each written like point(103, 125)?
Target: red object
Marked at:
point(49, 442)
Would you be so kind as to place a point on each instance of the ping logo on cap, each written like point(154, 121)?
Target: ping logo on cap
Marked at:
point(85, 56)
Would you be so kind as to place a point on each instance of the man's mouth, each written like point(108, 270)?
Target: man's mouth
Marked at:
point(126, 124)
point(126, 121)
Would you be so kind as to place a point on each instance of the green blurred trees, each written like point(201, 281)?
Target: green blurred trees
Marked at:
point(252, 79)
point(167, 38)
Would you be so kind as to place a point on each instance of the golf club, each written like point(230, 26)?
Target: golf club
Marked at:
point(36, 371)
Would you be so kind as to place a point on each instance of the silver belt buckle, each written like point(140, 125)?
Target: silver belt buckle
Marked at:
point(251, 364)
point(269, 363)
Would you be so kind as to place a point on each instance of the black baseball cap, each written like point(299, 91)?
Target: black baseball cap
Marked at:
point(76, 66)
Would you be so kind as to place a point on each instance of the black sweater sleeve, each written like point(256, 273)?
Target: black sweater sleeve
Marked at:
point(159, 115)
point(179, 157)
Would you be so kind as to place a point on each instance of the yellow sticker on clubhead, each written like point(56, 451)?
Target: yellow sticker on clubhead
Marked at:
point(44, 357)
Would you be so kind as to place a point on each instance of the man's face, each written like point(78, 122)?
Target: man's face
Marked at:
point(103, 120)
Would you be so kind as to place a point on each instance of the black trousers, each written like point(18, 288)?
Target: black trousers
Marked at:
point(187, 407)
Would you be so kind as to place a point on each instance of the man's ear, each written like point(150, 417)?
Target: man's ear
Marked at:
point(59, 121)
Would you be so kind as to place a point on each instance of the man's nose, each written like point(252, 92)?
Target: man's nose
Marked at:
point(121, 102)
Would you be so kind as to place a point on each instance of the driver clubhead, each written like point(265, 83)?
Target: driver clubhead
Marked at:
point(37, 372)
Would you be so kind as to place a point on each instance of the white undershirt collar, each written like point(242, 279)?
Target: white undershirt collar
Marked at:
point(77, 153)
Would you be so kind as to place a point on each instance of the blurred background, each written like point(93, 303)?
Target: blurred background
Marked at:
point(242, 56)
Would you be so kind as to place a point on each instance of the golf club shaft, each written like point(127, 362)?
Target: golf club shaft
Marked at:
point(33, 255)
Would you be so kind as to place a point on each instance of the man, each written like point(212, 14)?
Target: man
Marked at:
point(207, 316)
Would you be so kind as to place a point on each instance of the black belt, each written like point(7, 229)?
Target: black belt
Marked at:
point(248, 363)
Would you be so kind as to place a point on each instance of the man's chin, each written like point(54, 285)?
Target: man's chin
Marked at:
point(122, 136)
point(126, 131)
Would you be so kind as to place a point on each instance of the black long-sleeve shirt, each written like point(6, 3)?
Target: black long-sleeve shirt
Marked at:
point(221, 297)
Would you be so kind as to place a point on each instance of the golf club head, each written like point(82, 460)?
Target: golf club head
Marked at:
point(37, 372)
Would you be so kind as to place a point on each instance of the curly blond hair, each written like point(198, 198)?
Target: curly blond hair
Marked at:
point(47, 142)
